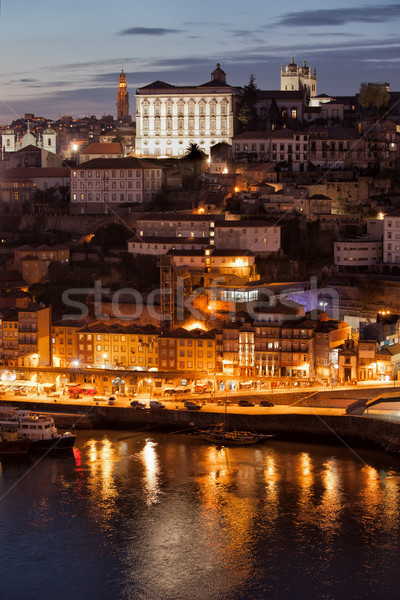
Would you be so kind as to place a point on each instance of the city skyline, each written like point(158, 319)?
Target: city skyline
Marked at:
point(56, 63)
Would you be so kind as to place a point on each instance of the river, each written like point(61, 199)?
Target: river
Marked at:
point(143, 516)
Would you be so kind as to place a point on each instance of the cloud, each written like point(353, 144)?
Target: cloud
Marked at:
point(328, 17)
point(148, 31)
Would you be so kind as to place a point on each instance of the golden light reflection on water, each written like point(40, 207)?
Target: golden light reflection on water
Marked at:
point(305, 478)
point(331, 501)
point(101, 482)
point(390, 487)
point(150, 461)
point(229, 509)
point(371, 493)
point(271, 478)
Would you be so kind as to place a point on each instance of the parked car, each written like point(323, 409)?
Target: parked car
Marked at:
point(155, 404)
point(138, 404)
point(192, 405)
point(112, 400)
point(266, 403)
point(245, 403)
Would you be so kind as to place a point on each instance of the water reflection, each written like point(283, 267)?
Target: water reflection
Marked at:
point(101, 458)
point(149, 459)
point(146, 517)
point(331, 502)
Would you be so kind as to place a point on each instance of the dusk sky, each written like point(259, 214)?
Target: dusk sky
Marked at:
point(61, 58)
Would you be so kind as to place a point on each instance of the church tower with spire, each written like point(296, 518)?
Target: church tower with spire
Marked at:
point(123, 101)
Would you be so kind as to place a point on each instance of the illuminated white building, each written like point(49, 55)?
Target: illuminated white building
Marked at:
point(295, 78)
point(10, 142)
point(169, 117)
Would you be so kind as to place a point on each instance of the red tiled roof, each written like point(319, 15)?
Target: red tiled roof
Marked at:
point(102, 148)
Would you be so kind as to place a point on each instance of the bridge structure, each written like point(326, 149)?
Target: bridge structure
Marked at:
point(362, 407)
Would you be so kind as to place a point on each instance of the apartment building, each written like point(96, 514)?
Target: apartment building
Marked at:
point(64, 343)
point(117, 345)
point(33, 262)
point(391, 237)
point(259, 237)
point(358, 254)
point(182, 350)
point(25, 335)
point(283, 146)
point(116, 183)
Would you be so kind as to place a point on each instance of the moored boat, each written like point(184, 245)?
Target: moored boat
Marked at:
point(10, 443)
point(38, 429)
point(222, 435)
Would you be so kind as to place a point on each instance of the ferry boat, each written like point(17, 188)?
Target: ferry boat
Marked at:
point(10, 443)
point(39, 429)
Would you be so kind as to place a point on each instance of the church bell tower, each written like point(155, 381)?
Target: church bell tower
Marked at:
point(123, 101)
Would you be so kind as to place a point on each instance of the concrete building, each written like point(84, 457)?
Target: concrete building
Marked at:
point(26, 336)
point(278, 147)
point(169, 117)
point(115, 345)
point(64, 349)
point(182, 350)
point(358, 254)
point(391, 237)
point(33, 263)
point(116, 183)
point(260, 237)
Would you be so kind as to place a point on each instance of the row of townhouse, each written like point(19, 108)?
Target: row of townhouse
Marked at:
point(104, 184)
point(364, 360)
point(326, 147)
point(296, 347)
point(133, 347)
point(160, 234)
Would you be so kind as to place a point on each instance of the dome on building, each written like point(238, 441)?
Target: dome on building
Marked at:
point(8, 132)
point(48, 131)
point(218, 74)
point(292, 67)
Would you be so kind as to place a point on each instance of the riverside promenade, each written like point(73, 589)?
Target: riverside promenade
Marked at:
point(310, 417)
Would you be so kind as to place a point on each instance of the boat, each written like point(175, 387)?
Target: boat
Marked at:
point(37, 428)
point(10, 443)
point(222, 435)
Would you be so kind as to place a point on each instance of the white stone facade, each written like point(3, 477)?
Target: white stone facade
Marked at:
point(169, 118)
point(295, 78)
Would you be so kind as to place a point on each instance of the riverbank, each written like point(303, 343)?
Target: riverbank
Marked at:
point(288, 422)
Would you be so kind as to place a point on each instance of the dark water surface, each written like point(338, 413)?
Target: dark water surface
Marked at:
point(168, 517)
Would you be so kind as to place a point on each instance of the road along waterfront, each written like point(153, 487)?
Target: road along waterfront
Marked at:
point(291, 422)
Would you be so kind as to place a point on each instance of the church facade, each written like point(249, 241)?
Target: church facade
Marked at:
point(10, 142)
point(169, 118)
point(296, 79)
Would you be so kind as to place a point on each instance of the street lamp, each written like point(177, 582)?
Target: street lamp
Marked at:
point(105, 360)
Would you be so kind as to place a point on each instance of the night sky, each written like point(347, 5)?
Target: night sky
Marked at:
point(61, 58)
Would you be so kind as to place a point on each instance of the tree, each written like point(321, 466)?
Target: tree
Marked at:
point(373, 97)
point(195, 155)
point(247, 114)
